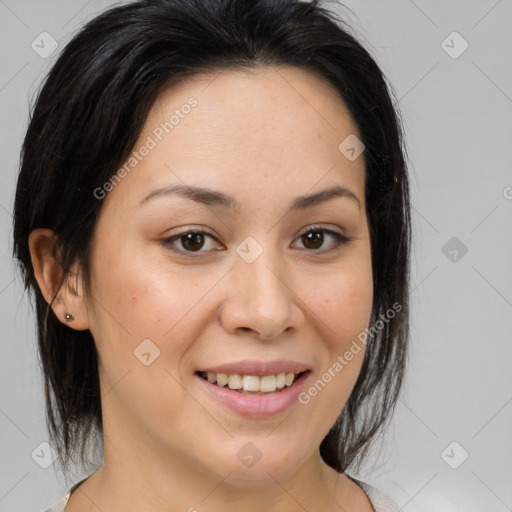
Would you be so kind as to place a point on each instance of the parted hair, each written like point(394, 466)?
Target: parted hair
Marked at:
point(86, 119)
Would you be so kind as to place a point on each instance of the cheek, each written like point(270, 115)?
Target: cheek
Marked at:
point(343, 301)
point(140, 299)
point(342, 305)
point(144, 296)
point(347, 303)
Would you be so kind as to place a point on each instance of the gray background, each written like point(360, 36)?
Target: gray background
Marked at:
point(457, 114)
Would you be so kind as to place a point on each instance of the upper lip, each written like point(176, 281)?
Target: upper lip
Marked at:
point(258, 368)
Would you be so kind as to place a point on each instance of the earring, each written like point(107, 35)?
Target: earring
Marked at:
point(68, 316)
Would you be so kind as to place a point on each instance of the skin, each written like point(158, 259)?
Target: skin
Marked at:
point(264, 137)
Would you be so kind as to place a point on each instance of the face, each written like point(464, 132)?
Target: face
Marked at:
point(263, 283)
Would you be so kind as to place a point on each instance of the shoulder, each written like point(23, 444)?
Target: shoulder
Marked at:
point(60, 505)
point(380, 501)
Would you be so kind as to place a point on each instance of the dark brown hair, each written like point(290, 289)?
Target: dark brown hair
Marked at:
point(87, 118)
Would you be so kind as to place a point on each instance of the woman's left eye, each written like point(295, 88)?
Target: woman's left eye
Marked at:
point(315, 238)
point(192, 241)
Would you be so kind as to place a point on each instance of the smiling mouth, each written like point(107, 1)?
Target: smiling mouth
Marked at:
point(252, 384)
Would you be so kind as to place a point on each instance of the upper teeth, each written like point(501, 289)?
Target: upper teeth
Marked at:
point(267, 383)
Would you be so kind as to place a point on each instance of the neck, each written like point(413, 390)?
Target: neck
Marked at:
point(144, 478)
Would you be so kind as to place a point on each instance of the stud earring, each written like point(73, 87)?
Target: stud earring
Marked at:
point(68, 316)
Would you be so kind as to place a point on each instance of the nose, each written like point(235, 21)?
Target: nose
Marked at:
point(261, 299)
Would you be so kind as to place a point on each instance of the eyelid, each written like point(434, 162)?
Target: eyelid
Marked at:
point(318, 227)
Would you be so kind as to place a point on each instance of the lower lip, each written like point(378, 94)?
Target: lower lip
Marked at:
point(257, 406)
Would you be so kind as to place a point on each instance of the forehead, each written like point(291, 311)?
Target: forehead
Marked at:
point(272, 100)
point(235, 128)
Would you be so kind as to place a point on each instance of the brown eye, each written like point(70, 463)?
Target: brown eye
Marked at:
point(314, 239)
point(190, 242)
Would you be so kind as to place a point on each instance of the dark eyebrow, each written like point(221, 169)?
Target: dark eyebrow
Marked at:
point(213, 197)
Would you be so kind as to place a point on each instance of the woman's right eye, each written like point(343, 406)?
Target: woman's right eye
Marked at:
point(191, 241)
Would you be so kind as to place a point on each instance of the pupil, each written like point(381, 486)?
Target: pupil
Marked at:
point(314, 237)
point(193, 241)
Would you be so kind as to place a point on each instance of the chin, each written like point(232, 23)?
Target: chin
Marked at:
point(258, 461)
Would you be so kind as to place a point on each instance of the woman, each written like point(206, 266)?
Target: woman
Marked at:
point(212, 213)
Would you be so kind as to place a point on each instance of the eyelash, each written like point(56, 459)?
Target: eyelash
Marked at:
point(168, 243)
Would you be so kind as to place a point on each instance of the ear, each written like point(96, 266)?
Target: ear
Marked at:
point(48, 273)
